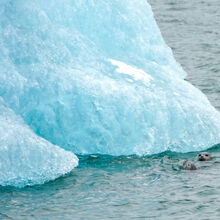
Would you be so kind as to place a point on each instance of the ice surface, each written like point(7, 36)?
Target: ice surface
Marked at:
point(25, 158)
point(97, 77)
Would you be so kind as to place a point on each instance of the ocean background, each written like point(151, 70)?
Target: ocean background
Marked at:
point(147, 187)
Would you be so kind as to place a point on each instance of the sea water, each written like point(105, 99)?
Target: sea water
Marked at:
point(148, 187)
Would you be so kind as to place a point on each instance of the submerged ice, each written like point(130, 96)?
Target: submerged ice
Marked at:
point(91, 77)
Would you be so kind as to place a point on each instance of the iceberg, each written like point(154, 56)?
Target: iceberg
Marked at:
point(96, 77)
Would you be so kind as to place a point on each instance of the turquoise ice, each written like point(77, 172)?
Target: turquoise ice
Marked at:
point(25, 158)
point(92, 77)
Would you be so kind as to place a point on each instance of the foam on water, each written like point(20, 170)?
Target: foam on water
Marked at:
point(97, 77)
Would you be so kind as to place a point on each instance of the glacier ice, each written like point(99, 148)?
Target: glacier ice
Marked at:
point(97, 77)
point(25, 158)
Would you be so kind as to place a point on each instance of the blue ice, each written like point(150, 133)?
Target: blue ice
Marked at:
point(25, 158)
point(93, 77)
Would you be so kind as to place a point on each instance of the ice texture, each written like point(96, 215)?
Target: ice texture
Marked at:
point(97, 77)
point(25, 158)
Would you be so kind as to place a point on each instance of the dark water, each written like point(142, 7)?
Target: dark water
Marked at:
point(192, 30)
point(151, 187)
point(104, 187)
